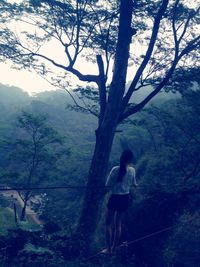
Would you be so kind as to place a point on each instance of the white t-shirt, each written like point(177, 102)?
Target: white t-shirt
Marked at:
point(123, 187)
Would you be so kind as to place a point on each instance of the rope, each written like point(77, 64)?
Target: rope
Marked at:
point(146, 236)
point(49, 188)
point(126, 244)
point(92, 256)
point(53, 187)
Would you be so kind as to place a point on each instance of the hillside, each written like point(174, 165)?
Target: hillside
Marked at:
point(162, 222)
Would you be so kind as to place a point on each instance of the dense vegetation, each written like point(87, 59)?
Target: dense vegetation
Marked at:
point(149, 41)
point(165, 138)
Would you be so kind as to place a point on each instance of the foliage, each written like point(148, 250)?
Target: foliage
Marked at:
point(33, 154)
point(183, 245)
point(166, 137)
point(34, 147)
point(6, 221)
point(34, 255)
point(108, 34)
point(77, 129)
point(183, 80)
point(168, 175)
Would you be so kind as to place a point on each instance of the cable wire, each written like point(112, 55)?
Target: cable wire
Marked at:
point(50, 187)
point(126, 244)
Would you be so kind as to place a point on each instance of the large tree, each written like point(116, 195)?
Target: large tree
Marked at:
point(147, 39)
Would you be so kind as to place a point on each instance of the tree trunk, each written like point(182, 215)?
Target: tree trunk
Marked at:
point(95, 190)
point(23, 213)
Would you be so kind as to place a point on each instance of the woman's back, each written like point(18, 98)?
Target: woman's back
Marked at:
point(122, 187)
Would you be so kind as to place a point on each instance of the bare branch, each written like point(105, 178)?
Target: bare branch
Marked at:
point(106, 50)
point(85, 109)
point(21, 196)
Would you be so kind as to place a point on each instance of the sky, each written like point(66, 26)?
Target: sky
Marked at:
point(30, 81)
point(25, 80)
point(33, 83)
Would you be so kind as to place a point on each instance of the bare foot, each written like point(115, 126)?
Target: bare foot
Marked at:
point(106, 251)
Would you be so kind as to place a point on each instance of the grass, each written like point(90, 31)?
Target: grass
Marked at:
point(27, 226)
point(6, 220)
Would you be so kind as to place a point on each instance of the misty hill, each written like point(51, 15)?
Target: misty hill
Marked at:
point(159, 142)
point(12, 95)
point(161, 97)
point(77, 127)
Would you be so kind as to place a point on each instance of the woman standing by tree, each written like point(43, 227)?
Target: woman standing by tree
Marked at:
point(120, 179)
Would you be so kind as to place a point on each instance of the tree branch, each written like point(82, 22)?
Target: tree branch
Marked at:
point(192, 15)
point(117, 86)
point(148, 53)
point(86, 109)
point(102, 87)
point(176, 42)
point(82, 77)
point(136, 108)
point(195, 43)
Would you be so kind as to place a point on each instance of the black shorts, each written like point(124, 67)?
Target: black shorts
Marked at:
point(118, 202)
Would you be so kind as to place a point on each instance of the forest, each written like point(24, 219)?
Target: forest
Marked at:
point(164, 138)
point(141, 92)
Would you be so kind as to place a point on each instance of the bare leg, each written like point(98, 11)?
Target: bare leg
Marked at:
point(117, 229)
point(109, 229)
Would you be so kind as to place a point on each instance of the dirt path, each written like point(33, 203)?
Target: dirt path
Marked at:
point(30, 214)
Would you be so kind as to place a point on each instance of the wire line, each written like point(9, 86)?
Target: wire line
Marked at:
point(50, 187)
point(126, 244)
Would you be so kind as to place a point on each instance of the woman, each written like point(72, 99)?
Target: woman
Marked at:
point(120, 179)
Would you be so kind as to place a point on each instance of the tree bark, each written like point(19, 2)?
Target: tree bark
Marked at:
point(23, 213)
point(95, 190)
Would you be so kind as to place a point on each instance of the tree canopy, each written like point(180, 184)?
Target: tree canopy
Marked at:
point(132, 45)
point(163, 35)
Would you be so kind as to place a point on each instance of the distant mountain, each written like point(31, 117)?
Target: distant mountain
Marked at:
point(12, 94)
point(162, 96)
point(77, 127)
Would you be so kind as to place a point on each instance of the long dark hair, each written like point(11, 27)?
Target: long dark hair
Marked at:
point(126, 158)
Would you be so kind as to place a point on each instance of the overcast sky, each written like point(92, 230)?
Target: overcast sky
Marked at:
point(30, 81)
point(33, 83)
point(27, 81)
